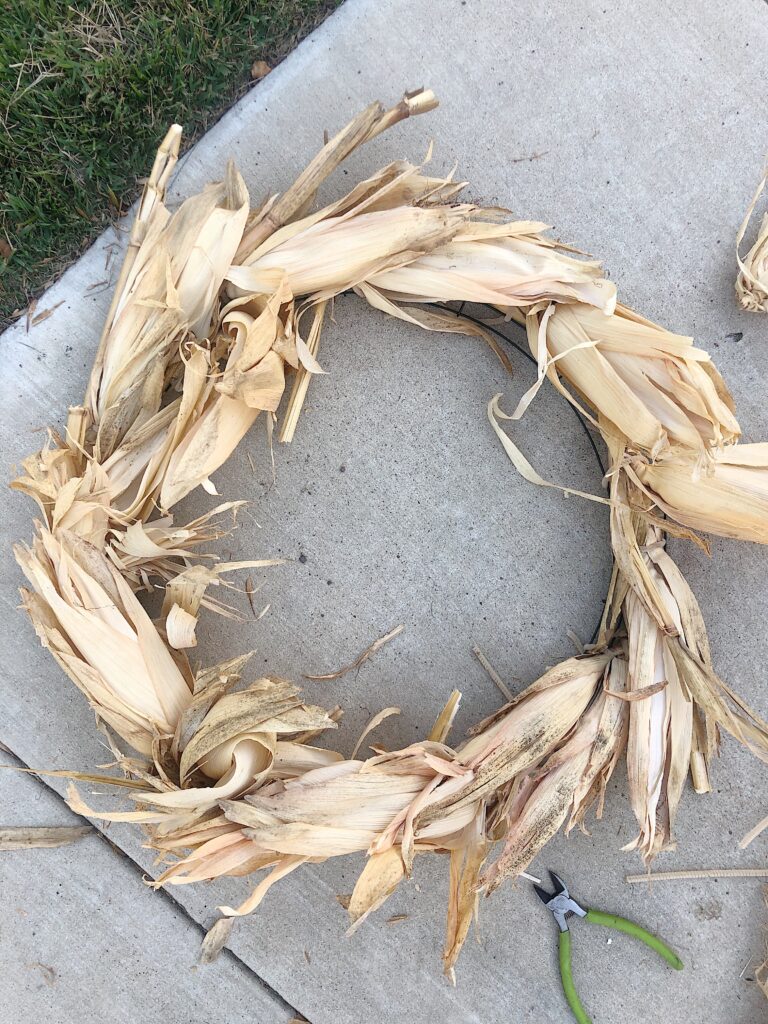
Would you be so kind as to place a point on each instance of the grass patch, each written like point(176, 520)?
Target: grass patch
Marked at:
point(87, 90)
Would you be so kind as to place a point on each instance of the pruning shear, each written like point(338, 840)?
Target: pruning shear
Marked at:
point(562, 905)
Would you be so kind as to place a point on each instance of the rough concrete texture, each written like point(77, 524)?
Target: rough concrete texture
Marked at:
point(639, 132)
point(83, 939)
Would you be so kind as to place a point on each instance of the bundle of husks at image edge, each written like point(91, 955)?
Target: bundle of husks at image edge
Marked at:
point(219, 307)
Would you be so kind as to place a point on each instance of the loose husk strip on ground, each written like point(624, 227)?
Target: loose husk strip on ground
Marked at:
point(219, 312)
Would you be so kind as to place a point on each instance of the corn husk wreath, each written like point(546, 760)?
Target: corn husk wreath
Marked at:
point(218, 306)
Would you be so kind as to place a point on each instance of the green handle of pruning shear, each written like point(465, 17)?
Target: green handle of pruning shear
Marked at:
point(621, 924)
point(569, 989)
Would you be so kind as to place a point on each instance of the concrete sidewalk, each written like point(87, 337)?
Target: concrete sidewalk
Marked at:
point(639, 132)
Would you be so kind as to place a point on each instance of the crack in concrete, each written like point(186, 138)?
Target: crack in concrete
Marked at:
point(164, 893)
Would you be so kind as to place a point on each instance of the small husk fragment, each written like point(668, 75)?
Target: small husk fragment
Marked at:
point(216, 939)
point(28, 838)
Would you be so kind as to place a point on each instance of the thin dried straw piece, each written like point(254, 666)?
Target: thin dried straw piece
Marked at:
point(27, 838)
point(753, 833)
point(374, 723)
point(361, 659)
point(96, 779)
point(519, 461)
point(672, 876)
point(493, 674)
point(302, 378)
point(642, 694)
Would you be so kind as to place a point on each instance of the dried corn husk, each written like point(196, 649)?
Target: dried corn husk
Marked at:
point(569, 781)
point(648, 572)
point(172, 287)
point(151, 214)
point(253, 381)
point(139, 467)
point(67, 488)
point(660, 729)
point(422, 252)
point(158, 548)
point(522, 733)
point(466, 863)
point(752, 279)
point(236, 743)
point(185, 595)
point(678, 723)
point(381, 875)
point(366, 126)
point(729, 499)
point(649, 386)
point(335, 253)
point(395, 805)
point(88, 617)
